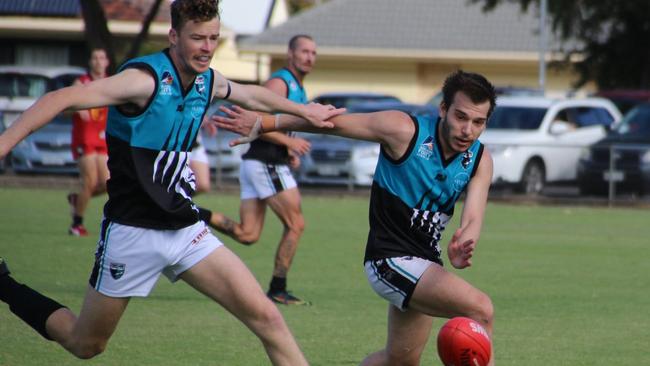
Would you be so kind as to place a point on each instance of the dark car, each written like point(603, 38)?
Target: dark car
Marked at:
point(630, 143)
point(339, 160)
point(345, 99)
point(625, 99)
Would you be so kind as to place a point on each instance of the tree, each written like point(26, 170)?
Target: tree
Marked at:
point(613, 37)
point(99, 36)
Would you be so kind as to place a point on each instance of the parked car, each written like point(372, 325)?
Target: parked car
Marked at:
point(625, 99)
point(631, 142)
point(537, 140)
point(340, 160)
point(48, 149)
point(220, 155)
point(345, 99)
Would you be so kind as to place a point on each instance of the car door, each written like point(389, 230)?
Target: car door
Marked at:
point(572, 129)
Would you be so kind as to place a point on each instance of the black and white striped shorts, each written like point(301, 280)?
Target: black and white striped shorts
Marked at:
point(394, 279)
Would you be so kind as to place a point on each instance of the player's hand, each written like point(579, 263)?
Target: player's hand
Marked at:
point(209, 126)
point(240, 121)
point(294, 161)
point(318, 114)
point(299, 146)
point(460, 254)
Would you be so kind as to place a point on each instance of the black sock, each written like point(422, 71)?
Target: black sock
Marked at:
point(77, 220)
point(204, 215)
point(29, 305)
point(278, 284)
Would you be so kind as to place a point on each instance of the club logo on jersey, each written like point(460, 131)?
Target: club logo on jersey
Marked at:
point(166, 83)
point(467, 159)
point(460, 181)
point(117, 270)
point(293, 85)
point(199, 84)
point(426, 148)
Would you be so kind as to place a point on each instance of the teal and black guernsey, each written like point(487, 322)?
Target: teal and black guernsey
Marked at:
point(151, 184)
point(268, 152)
point(412, 199)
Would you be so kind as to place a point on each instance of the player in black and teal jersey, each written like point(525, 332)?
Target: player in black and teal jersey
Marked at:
point(424, 166)
point(265, 176)
point(151, 225)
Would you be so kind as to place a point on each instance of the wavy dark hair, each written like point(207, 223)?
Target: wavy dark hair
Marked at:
point(475, 86)
point(195, 10)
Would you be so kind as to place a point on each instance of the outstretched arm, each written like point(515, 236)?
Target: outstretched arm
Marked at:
point(461, 247)
point(258, 98)
point(393, 129)
point(131, 85)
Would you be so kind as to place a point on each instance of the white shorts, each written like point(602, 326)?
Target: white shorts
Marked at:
point(199, 154)
point(394, 279)
point(261, 180)
point(129, 260)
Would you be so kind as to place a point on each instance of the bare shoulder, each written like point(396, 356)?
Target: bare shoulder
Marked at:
point(276, 85)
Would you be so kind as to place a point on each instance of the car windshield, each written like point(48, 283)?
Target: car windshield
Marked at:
point(635, 122)
point(516, 118)
point(23, 85)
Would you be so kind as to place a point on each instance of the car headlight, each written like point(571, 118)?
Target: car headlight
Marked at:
point(500, 149)
point(645, 157)
point(585, 154)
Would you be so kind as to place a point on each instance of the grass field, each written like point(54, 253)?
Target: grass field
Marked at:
point(571, 286)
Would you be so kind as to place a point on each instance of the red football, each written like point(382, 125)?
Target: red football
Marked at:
point(463, 342)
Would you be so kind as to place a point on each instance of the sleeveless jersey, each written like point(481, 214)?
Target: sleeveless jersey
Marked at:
point(269, 152)
point(93, 131)
point(150, 182)
point(412, 199)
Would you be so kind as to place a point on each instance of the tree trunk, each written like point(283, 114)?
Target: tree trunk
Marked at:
point(144, 31)
point(96, 29)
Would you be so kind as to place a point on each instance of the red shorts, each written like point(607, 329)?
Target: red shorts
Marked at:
point(89, 149)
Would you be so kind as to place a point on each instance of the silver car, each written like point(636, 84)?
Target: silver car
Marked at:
point(48, 149)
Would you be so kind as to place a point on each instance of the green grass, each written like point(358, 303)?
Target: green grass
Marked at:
point(571, 286)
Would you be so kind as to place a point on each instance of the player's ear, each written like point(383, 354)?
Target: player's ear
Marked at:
point(173, 37)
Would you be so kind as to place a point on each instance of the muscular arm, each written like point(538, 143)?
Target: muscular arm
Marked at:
point(263, 100)
point(471, 220)
point(132, 85)
point(392, 129)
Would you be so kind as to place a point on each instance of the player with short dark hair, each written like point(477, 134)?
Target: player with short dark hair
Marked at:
point(424, 166)
point(266, 180)
point(151, 225)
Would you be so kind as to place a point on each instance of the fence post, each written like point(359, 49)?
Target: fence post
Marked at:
point(612, 182)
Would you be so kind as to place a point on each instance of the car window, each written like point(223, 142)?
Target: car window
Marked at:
point(635, 122)
point(23, 85)
point(589, 116)
point(516, 118)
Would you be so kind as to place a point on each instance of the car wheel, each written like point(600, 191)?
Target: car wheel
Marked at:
point(533, 178)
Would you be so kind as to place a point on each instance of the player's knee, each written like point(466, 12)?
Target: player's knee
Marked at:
point(485, 310)
point(89, 349)
point(271, 318)
point(403, 357)
point(296, 224)
point(249, 237)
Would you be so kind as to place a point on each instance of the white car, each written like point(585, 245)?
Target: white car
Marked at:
point(535, 140)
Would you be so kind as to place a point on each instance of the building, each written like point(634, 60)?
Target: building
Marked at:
point(407, 47)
